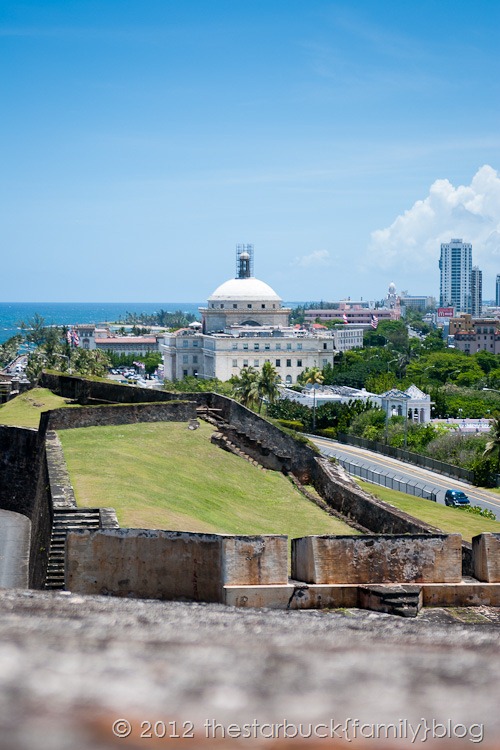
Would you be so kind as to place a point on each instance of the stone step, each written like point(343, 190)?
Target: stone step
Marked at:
point(65, 521)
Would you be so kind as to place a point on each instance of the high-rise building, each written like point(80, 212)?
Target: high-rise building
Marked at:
point(497, 296)
point(455, 265)
point(476, 292)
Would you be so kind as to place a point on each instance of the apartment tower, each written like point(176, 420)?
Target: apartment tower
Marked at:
point(455, 265)
point(476, 292)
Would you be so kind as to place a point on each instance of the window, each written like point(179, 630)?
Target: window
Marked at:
point(299, 363)
point(288, 346)
point(235, 306)
point(245, 363)
point(222, 307)
point(249, 306)
point(278, 347)
point(245, 345)
point(289, 363)
point(185, 343)
point(299, 347)
point(325, 346)
point(267, 347)
point(195, 343)
point(263, 307)
point(195, 359)
point(185, 359)
point(278, 363)
point(235, 345)
point(325, 361)
point(256, 347)
point(256, 363)
point(235, 363)
point(185, 373)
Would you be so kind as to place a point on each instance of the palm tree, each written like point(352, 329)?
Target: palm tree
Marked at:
point(314, 377)
point(493, 445)
point(246, 387)
point(268, 383)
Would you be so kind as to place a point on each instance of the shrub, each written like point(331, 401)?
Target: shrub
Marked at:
point(328, 432)
point(478, 511)
point(484, 471)
point(292, 424)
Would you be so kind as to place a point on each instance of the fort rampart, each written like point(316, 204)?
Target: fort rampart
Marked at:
point(25, 485)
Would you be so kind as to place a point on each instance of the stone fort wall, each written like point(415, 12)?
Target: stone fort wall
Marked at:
point(25, 489)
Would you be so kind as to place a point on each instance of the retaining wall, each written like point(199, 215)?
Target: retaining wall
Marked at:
point(24, 488)
point(171, 564)
point(85, 391)
point(116, 414)
point(333, 484)
point(486, 557)
point(416, 558)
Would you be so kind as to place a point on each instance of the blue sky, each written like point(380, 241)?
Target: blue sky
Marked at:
point(141, 140)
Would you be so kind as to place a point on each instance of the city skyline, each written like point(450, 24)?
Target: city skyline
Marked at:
point(142, 141)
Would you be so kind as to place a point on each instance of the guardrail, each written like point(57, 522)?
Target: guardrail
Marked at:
point(388, 480)
point(416, 459)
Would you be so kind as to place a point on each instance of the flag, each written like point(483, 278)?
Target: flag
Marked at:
point(374, 322)
point(68, 336)
point(74, 338)
point(344, 318)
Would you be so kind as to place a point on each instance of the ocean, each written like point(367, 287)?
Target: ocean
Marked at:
point(71, 313)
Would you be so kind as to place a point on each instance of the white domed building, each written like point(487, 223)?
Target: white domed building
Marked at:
point(243, 301)
point(244, 325)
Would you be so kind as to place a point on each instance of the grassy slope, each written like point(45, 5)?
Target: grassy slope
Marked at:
point(162, 475)
point(25, 410)
point(441, 516)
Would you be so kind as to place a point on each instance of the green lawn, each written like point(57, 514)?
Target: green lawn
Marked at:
point(25, 410)
point(443, 517)
point(164, 476)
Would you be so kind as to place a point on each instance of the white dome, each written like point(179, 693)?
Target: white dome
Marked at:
point(392, 287)
point(244, 289)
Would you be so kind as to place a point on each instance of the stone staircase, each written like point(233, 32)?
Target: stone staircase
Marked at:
point(67, 519)
point(404, 599)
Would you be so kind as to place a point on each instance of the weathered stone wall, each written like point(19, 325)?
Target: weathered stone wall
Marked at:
point(85, 391)
point(261, 433)
point(416, 558)
point(332, 483)
point(486, 557)
point(171, 564)
point(24, 488)
point(116, 414)
point(338, 489)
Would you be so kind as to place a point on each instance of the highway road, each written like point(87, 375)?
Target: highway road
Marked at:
point(439, 483)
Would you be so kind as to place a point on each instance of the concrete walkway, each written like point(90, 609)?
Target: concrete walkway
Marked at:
point(15, 537)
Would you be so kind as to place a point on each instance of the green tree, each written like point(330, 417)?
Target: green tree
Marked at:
point(8, 350)
point(36, 329)
point(89, 362)
point(267, 383)
point(151, 361)
point(246, 387)
point(394, 332)
point(492, 449)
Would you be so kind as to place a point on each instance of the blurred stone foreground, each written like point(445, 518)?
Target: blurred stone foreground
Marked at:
point(70, 666)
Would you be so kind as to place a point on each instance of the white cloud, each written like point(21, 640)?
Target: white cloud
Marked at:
point(314, 259)
point(470, 212)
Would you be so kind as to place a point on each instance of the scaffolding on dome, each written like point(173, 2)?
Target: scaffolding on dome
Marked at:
point(240, 249)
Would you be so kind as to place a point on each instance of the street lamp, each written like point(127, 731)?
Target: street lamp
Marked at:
point(314, 407)
point(64, 356)
point(390, 363)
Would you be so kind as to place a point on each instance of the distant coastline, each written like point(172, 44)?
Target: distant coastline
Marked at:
point(71, 313)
